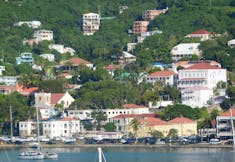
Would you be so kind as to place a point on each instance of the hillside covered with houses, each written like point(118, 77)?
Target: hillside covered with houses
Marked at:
point(165, 65)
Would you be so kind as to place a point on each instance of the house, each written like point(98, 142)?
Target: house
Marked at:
point(224, 125)
point(140, 26)
point(46, 111)
point(185, 50)
point(9, 80)
point(196, 96)
point(151, 14)
point(65, 127)
point(41, 35)
point(76, 61)
point(183, 126)
point(185, 64)
point(131, 46)
point(231, 43)
point(32, 24)
point(112, 68)
point(201, 74)
point(49, 57)
point(91, 23)
point(126, 58)
point(64, 75)
point(2, 68)
point(61, 49)
point(144, 35)
point(200, 34)
point(30, 42)
point(7, 89)
point(126, 109)
point(53, 99)
point(25, 57)
point(168, 77)
point(51, 128)
point(25, 90)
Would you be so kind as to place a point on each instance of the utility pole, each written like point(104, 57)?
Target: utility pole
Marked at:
point(11, 123)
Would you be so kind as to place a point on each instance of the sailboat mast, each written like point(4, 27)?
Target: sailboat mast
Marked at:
point(100, 154)
point(11, 123)
point(231, 118)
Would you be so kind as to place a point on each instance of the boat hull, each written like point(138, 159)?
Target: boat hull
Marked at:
point(31, 156)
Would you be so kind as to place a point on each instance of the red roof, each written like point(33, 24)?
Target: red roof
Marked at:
point(7, 87)
point(68, 119)
point(55, 97)
point(181, 120)
point(227, 113)
point(77, 61)
point(202, 65)
point(165, 73)
point(112, 67)
point(152, 121)
point(133, 106)
point(201, 31)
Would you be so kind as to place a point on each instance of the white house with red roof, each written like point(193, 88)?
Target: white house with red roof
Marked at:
point(52, 99)
point(168, 77)
point(112, 68)
point(76, 61)
point(126, 109)
point(201, 74)
point(200, 34)
point(223, 124)
point(185, 50)
point(196, 96)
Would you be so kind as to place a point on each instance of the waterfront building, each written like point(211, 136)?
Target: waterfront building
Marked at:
point(25, 57)
point(91, 23)
point(140, 26)
point(41, 35)
point(185, 50)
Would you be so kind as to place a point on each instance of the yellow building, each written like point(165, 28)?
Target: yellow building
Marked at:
point(184, 126)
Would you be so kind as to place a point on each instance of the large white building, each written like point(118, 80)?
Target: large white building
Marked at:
point(41, 35)
point(65, 127)
point(168, 77)
point(201, 74)
point(196, 96)
point(127, 109)
point(200, 34)
point(185, 50)
point(91, 23)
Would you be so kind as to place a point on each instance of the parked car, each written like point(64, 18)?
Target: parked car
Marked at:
point(215, 141)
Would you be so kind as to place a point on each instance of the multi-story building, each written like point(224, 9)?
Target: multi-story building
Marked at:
point(185, 50)
point(224, 125)
point(25, 57)
point(41, 35)
point(126, 109)
point(91, 23)
point(140, 27)
point(200, 34)
point(201, 74)
point(196, 96)
point(151, 14)
point(168, 77)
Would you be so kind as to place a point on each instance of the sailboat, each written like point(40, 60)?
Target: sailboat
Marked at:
point(33, 155)
point(101, 155)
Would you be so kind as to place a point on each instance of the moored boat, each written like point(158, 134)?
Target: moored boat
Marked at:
point(31, 155)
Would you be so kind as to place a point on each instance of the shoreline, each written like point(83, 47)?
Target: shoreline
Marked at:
point(119, 145)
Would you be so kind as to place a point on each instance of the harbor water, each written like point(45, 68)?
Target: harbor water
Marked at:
point(130, 154)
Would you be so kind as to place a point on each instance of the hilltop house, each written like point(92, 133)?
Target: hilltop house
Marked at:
point(168, 77)
point(41, 35)
point(200, 34)
point(185, 50)
point(126, 58)
point(91, 23)
point(25, 57)
point(52, 99)
point(140, 26)
point(61, 49)
point(32, 24)
point(112, 68)
point(201, 74)
point(151, 14)
point(9, 80)
point(49, 57)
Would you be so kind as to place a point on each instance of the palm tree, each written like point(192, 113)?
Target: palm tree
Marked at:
point(135, 125)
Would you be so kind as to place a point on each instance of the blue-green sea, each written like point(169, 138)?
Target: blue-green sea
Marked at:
point(127, 154)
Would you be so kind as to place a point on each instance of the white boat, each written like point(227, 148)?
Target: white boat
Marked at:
point(50, 155)
point(31, 155)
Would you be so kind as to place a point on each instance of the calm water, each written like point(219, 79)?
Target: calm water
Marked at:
point(131, 155)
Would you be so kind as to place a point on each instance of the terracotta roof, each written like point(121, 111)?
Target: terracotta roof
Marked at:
point(55, 97)
point(152, 121)
point(162, 73)
point(201, 31)
point(201, 65)
point(77, 61)
point(133, 106)
point(227, 113)
point(7, 87)
point(181, 120)
point(67, 119)
point(112, 67)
